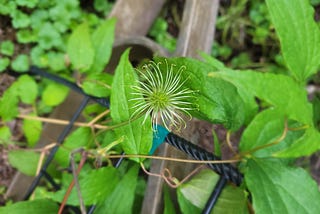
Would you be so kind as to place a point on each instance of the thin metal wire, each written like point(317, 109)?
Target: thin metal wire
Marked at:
point(53, 151)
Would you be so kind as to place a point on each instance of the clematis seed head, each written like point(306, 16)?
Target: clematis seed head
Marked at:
point(164, 95)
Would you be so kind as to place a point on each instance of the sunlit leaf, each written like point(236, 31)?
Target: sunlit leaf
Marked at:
point(54, 94)
point(277, 188)
point(25, 161)
point(38, 206)
point(138, 135)
point(80, 49)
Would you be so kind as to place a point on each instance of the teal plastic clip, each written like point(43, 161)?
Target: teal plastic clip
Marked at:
point(159, 134)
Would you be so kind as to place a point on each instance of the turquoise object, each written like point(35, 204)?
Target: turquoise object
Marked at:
point(159, 134)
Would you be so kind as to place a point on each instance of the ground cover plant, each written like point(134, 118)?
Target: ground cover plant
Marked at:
point(271, 110)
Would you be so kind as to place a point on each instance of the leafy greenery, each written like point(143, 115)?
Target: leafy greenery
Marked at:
point(272, 111)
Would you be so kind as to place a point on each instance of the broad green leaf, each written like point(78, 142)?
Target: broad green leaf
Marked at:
point(299, 35)
point(32, 130)
point(7, 48)
point(80, 50)
point(56, 61)
point(54, 94)
point(186, 206)
point(27, 89)
point(277, 188)
point(5, 134)
point(122, 198)
point(138, 135)
point(95, 186)
point(4, 63)
point(217, 101)
point(168, 203)
point(277, 90)
point(221, 103)
point(77, 139)
point(265, 128)
point(25, 161)
point(251, 106)
point(20, 63)
point(102, 41)
point(38, 206)
point(198, 190)
point(9, 103)
point(306, 145)
point(98, 85)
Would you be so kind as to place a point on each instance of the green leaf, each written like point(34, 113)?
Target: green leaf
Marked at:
point(221, 103)
point(265, 128)
point(306, 145)
point(277, 188)
point(277, 90)
point(27, 89)
point(8, 8)
point(27, 3)
point(80, 49)
point(26, 36)
point(20, 19)
point(9, 104)
point(95, 186)
point(56, 61)
point(38, 18)
point(54, 94)
point(138, 135)
point(186, 206)
point(198, 190)
point(122, 198)
point(38, 206)
point(218, 101)
point(38, 57)
point(25, 161)
point(4, 63)
point(102, 6)
point(98, 85)
point(102, 41)
point(168, 203)
point(32, 130)
point(251, 106)
point(7, 48)
point(77, 139)
point(20, 63)
point(49, 37)
point(5, 134)
point(299, 35)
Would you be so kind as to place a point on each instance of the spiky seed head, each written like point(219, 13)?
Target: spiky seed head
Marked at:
point(164, 96)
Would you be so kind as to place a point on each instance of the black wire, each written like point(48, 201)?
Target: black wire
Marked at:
point(224, 169)
point(51, 181)
point(214, 195)
point(61, 138)
point(37, 71)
